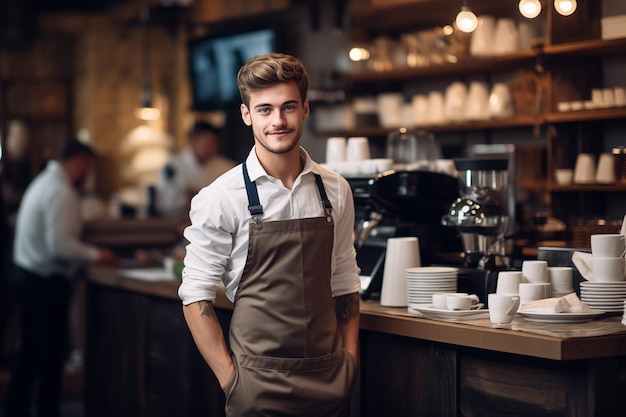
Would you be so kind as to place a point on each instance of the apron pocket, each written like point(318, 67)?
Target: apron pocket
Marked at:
point(294, 364)
point(232, 382)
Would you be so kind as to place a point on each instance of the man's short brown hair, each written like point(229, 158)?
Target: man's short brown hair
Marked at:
point(262, 71)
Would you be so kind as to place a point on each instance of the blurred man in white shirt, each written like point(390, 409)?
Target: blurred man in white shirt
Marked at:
point(47, 252)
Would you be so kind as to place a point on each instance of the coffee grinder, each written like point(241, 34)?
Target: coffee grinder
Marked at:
point(481, 221)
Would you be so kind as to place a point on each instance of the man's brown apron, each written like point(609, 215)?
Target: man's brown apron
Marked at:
point(287, 350)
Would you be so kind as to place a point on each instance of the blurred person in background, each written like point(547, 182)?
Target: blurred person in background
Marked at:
point(47, 253)
point(192, 169)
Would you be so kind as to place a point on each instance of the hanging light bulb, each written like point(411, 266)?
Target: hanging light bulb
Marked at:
point(530, 8)
point(466, 19)
point(145, 111)
point(565, 7)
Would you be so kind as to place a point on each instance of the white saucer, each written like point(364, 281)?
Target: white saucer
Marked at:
point(432, 270)
point(429, 311)
point(540, 317)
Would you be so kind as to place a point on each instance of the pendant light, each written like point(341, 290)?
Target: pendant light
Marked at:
point(565, 7)
point(145, 111)
point(530, 8)
point(466, 20)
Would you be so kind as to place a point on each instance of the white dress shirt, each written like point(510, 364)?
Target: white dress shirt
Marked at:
point(188, 175)
point(49, 226)
point(218, 234)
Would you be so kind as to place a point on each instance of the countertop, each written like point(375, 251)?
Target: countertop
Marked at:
point(377, 318)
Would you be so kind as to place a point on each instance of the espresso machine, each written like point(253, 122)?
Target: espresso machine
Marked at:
point(481, 220)
point(401, 203)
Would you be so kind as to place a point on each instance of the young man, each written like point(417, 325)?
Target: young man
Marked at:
point(47, 252)
point(277, 231)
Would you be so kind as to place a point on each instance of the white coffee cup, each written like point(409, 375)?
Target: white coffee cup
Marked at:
point(502, 307)
point(500, 102)
point(440, 299)
point(531, 291)
point(585, 169)
point(436, 108)
point(357, 149)
point(508, 282)
point(535, 271)
point(608, 269)
point(335, 150)
point(620, 96)
point(482, 42)
point(461, 301)
point(561, 278)
point(610, 245)
point(477, 102)
point(401, 253)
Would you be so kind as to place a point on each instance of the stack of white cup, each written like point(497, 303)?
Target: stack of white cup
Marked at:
point(535, 281)
point(401, 253)
point(608, 263)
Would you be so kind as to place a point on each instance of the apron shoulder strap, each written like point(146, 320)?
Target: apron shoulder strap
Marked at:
point(328, 208)
point(254, 204)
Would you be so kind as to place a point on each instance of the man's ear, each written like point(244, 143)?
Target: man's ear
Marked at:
point(245, 115)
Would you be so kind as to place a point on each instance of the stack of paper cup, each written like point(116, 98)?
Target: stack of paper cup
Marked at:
point(401, 253)
point(561, 278)
point(624, 315)
point(535, 281)
point(608, 263)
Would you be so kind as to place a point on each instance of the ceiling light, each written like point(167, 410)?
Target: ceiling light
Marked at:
point(565, 7)
point(466, 20)
point(145, 111)
point(530, 8)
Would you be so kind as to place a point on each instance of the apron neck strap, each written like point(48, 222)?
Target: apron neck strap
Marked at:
point(254, 204)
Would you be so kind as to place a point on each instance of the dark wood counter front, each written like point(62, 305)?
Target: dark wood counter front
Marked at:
point(141, 360)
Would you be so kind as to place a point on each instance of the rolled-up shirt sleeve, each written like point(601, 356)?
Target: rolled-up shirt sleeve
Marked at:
point(210, 238)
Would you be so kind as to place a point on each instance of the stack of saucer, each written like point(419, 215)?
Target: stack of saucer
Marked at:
point(423, 282)
point(604, 296)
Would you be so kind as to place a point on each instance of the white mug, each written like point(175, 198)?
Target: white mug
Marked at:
point(508, 282)
point(609, 245)
point(535, 271)
point(461, 301)
point(564, 176)
point(502, 308)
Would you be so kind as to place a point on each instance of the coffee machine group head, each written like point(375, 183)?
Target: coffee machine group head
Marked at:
point(478, 215)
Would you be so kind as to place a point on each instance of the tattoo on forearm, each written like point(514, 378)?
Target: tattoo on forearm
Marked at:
point(346, 307)
point(206, 310)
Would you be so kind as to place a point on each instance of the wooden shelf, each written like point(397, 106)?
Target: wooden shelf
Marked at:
point(587, 48)
point(614, 187)
point(452, 127)
point(467, 65)
point(587, 115)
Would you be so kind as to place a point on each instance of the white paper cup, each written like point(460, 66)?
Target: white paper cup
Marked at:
point(502, 308)
point(605, 172)
point(585, 169)
point(608, 245)
point(401, 253)
point(608, 269)
point(335, 150)
point(508, 282)
point(535, 271)
point(456, 302)
point(357, 149)
point(561, 278)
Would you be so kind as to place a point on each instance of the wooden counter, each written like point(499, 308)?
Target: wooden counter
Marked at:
point(410, 366)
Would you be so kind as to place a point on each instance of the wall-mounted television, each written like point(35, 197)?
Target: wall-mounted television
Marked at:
point(214, 62)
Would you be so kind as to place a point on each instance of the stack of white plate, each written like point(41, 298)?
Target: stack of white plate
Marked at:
point(423, 282)
point(604, 296)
